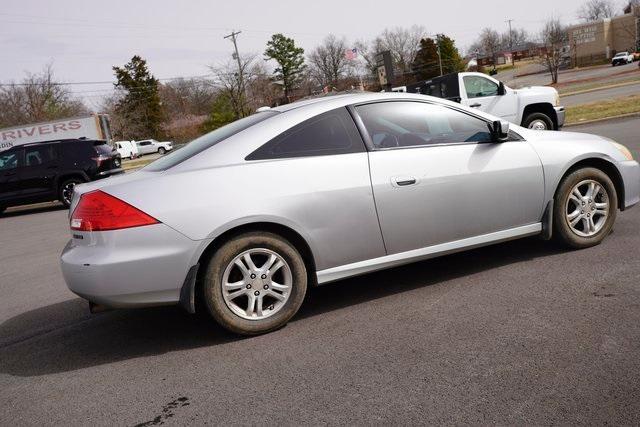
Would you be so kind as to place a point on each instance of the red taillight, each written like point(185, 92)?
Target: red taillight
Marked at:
point(98, 211)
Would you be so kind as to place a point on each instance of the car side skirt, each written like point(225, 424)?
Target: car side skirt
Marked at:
point(394, 260)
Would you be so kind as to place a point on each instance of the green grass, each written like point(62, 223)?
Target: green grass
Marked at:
point(603, 109)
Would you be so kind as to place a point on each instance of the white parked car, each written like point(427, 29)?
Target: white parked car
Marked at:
point(126, 149)
point(149, 146)
point(622, 58)
point(536, 107)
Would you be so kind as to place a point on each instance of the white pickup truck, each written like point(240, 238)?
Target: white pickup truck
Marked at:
point(536, 107)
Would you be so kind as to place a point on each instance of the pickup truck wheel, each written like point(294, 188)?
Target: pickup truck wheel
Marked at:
point(585, 208)
point(538, 121)
point(65, 192)
point(254, 283)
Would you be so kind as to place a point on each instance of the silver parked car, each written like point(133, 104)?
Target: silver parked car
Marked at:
point(254, 212)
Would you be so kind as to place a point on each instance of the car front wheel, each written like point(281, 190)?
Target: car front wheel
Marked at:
point(585, 208)
point(161, 150)
point(255, 283)
point(538, 121)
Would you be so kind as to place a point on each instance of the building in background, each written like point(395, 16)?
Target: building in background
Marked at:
point(598, 41)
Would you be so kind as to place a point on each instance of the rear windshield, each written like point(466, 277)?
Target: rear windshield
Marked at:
point(103, 148)
point(206, 141)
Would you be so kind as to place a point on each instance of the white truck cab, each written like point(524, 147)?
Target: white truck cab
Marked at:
point(536, 107)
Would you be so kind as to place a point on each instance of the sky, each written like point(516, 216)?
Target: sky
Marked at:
point(83, 39)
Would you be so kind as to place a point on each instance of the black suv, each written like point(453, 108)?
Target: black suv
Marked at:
point(46, 171)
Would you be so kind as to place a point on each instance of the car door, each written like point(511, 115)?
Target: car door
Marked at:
point(483, 93)
point(38, 176)
point(437, 178)
point(10, 163)
point(145, 147)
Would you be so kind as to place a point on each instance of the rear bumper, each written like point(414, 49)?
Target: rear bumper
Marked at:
point(136, 267)
point(630, 173)
point(560, 114)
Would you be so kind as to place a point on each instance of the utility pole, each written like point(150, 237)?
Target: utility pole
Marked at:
point(439, 55)
point(510, 40)
point(232, 36)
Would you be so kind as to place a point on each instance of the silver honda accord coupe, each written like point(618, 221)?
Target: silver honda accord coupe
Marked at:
point(243, 220)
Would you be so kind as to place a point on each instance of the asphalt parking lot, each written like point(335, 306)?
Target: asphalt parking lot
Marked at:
point(521, 332)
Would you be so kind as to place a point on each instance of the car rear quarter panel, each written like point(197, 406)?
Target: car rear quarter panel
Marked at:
point(328, 200)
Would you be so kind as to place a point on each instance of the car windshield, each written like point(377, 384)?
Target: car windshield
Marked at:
point(621, 54)
point(206, 141)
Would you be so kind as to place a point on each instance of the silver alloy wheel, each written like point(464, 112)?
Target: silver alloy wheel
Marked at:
point(587, 208)
point(253, 292)
point(538, 125)
point(67, 191)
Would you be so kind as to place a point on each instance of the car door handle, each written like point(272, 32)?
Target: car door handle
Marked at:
point(403, 181)
point(476, 105)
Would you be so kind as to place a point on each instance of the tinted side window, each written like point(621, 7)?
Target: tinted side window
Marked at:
point(406, 124)
point(9, 160)
point(333, 132)
point(34, 156)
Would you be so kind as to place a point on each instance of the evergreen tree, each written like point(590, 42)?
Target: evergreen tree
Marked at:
point(451, 60)
point(222, 113)
point(290, 60)
point(427, 65)
point(140, 107)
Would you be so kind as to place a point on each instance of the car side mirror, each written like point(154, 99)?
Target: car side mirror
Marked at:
point(501, 89)
point(499, 130)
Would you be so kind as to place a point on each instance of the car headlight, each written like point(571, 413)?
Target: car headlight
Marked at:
point(624, 150)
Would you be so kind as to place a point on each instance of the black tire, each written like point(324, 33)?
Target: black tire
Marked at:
point(538, 116)
point(562, 230)
point(213, 281)
point(161, 150)
point(2, 209)
point(63, 196)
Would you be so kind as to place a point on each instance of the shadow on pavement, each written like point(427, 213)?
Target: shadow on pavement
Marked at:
point(64, 337)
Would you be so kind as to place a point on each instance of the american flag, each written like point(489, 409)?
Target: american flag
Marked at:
point(351, 54)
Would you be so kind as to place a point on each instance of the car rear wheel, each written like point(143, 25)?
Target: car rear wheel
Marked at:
point(585, 208)
point(255, 283)
point(538, 121)
point(65, 192)
point(161, 150)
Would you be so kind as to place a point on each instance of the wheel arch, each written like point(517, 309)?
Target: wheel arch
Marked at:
point(540, 107)
point(68, 175)
point(286, 232)
point(605, 166)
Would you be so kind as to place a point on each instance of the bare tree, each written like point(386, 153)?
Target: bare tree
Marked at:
point(403, 43)
point(39, 97)
point(261, 90)
point(227, 78)
point(328, 61)
point(187, 97)
point(554, 38)
point(594, 10)
point(367, 50)
point(518, 37)
point(490, 42)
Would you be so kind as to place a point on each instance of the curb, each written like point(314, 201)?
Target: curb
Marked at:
point(603, 119)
